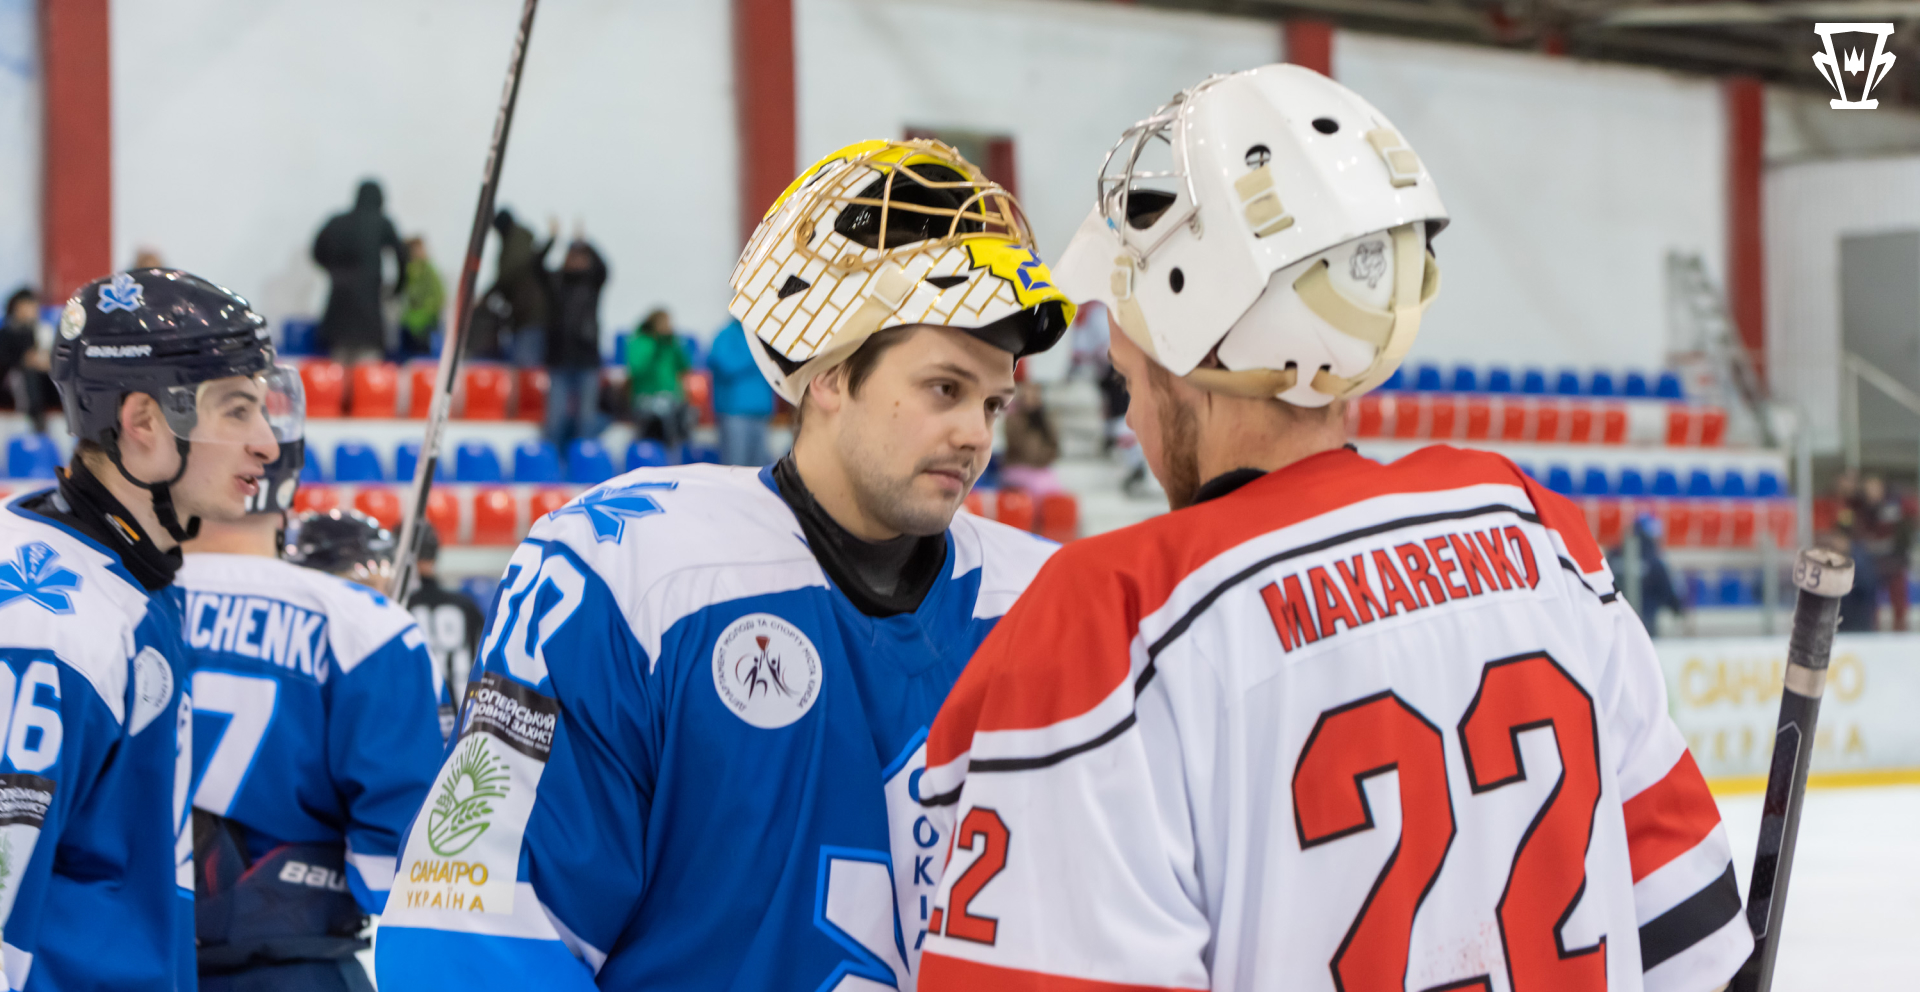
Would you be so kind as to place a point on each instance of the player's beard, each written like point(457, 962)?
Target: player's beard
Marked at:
point(893, 500)
point(1179, 441)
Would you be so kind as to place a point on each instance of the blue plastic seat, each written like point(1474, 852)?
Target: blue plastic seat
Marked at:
point(1533, 382)
point(299, 336)
point(1465, 379)
point(1733, 588)
point(1560, 479)
point(475, 461)
point(1527, 470)
point(355, 461)
point(1567, 383)
point(1632, 483)
point(588, 464)
point(1668, 387)
point(31, 456)
point(702, 454)
point(1700, 483)
point(310, 471)
point(1601, 384)
point(1665, 483)
point(536, 461)
point(1696, 588)
point(480, 589)
point(1398, 380)
point(1769, 485)
point(646, 454)
point(1426, 378)
point(1594, 481)
point(406, 461)
point(1733, 484)
point(1499, 379)
point(1636, 384)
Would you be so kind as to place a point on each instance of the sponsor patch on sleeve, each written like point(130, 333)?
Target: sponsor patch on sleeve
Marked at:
point(24, 800)
point(464, 851)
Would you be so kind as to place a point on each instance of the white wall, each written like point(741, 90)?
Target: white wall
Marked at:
point(1567, 182)
point(19, 145)
point(1063, 78)
point(1809, 208)
point(240, 125)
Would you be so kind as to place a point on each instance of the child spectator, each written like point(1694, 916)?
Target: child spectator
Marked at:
point(425, 296)
point(656, 359)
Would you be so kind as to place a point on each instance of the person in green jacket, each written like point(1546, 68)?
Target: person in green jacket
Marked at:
point(656, 359)
point(422, 301)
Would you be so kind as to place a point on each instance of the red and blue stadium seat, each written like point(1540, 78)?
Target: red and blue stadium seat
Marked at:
point(376, 390)
point(588, 464)
point(536, 462)
point(475, 461)
point(31, 456)
point(354, 461)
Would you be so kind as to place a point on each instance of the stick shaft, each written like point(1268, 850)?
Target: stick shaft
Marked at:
point(1808, 651)
point(454, 350)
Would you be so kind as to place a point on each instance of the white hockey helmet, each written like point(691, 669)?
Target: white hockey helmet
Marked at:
point(1287, 241)
point(884, 234)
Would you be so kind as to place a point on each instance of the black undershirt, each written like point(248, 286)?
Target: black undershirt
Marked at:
point(83, 503)
point(1224, 483)
point(880, 578)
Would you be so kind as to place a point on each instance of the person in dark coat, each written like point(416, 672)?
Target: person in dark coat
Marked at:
point(519, 297)
point(23, 362)
point(348, 247)
point(573, 345)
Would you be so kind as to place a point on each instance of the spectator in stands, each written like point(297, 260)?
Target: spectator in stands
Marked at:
point(24, 358)
point(421, 304)
point(573, 345)
point(1882, 534)
point(147, 257)
point(656, 359)
point(742, 400)
point(520, 289)
point(1033, 444)
point(1657, 590)
point(351, 248)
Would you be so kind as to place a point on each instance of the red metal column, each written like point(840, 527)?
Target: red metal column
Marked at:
point(76, 219)
point(1746, 103)
point(1310, 43)
point(763, 88)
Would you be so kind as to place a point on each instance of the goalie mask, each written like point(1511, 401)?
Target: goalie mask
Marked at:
point(885, 234)
point(1264, 234)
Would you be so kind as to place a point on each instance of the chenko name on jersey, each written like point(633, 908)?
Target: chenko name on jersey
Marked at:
point(260, 628)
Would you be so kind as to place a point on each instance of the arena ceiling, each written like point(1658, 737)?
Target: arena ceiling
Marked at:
point(1772, 40)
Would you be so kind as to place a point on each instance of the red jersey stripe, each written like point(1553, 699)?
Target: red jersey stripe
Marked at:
point(1558, 514)
point(1669, 817)
point(944, 974)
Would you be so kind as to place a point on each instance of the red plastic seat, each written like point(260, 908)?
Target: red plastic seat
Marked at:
point(1546, 423)
point(976, 504)
point(325, 383)
point(443, 512)
point(1059, 517)
point(376, 390)
point(1369, 419)
point(532, 405)
point(420, 378)
point(1610, 523)
point(1781, 523)
point(1677, 515)
point(319, 499)
point(1015, 509)
point(1710, 524)
point(496, 517)
point(1406, 416)
point(1442, 412)
point(1679, 425)
point(1479, 419)
point(1580, 424)
point(1826, 513)
point(698, 385)
point(380, 503)
point(1613, 424)
point(1713, 426)
point(545, 501)
point(1513, 420)
point(488, 387)
point(1743, 519)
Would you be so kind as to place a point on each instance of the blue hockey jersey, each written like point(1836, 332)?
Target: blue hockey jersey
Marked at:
point(686, 760)
point(316, 711)
point(96, 861)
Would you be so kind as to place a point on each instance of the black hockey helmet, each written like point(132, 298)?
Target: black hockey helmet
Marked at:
point(164, 333)
point(344, 542)
point(280, 480)
point(429, 542)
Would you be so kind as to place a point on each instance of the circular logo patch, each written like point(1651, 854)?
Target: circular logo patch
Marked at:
point(766, 671)
point(73, 320)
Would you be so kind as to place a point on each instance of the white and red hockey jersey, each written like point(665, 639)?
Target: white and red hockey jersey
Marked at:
point(1351, 726)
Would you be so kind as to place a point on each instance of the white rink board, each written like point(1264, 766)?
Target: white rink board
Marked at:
point(1725, 695)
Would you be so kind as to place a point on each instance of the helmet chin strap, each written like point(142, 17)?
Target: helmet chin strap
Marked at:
point(162, 492)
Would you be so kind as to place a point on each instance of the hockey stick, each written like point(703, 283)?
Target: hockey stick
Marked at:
point(1823, 577)
point(455, 347)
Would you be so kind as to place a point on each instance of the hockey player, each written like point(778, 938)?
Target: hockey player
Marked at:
point(168, 383)
point(1331, 724)
point(316, 736)
point(690, 757)
point(451, 621)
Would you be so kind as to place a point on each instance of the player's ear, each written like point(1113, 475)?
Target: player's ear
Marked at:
point(828, 390)
point(142, 424)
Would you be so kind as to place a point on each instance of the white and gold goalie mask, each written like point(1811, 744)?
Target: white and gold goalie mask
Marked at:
point(886, 234)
